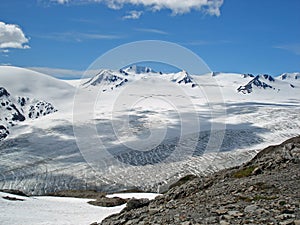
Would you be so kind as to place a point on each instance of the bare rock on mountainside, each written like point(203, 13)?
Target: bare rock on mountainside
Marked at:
point(263, 191)
point(108, 202)
point(15, 109)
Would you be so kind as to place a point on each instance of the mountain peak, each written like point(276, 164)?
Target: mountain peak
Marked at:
point(268, 77)
point(137, 70)
point(104, 76)
point(256, 82)
point(290, 76)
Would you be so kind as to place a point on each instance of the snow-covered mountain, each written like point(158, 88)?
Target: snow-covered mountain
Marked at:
point(181, 78)
point(107, 79)
point(110, 80)
point(135, 69)
point(131, 108)
point(268, 82)
point(27, 95)
point(257, 82)
point(290, 76)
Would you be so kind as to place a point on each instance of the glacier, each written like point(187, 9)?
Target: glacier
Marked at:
point(137, 128)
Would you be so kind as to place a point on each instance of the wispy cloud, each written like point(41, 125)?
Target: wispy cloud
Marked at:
point(197, 42)
point(211, 7)
point(150, 30)
point(294, 48)
point(12, 36)
point(78, 37)
point(206, 42)
point(133, 15)
point(4, 50)
point(97, 36)
point(5, 64)
point(64, 73)
point(82, 20)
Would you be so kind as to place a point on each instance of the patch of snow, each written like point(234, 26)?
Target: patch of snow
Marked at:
point(51, 211)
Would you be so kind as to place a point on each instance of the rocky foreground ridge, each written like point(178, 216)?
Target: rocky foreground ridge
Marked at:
point(262, 191)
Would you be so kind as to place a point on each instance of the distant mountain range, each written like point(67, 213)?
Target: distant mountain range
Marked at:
point(109, 79)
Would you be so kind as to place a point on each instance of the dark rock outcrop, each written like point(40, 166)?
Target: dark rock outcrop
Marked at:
point(136, 203)
point(3, 132)
point(108, 202)
point(17, 109)
point(256, 82)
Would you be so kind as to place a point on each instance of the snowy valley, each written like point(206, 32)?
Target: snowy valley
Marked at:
point(136, 128)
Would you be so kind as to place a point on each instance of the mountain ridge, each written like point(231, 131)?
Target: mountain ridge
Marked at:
point(260, 191)
point(110, 79)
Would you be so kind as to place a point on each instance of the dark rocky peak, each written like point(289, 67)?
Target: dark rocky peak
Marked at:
point(291, 76)
point(255, 82)
point(213, 74)
point(105, 76)
point(268, 77)
point(247, 75)
point(135, 69)
point(4, 92)
point(185, 78)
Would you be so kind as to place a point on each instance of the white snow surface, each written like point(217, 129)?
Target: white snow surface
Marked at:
point(42, 210)
point(141, 130)
point(25, 82)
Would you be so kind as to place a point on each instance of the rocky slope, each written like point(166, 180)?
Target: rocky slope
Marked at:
point(262, 191)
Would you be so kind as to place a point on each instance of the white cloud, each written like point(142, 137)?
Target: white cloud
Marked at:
point(133, 15)
point(11, 36)
point(207, 42)
point(97, 36)
point(5, 64)
point(64, 73)
point(294, 48)
point(4, 50)
point(77, 36)
point(211, 7)
point(149, 30)
point(60, 1)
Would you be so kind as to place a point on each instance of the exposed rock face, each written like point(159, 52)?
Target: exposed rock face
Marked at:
point(108, 202)
point(136, 203)
point(17, 109)
point(262, 191)
point(256, 82)
point(3, 92)
point(3, 132)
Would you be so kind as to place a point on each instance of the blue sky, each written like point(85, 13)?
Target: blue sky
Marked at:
point(254, 36)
